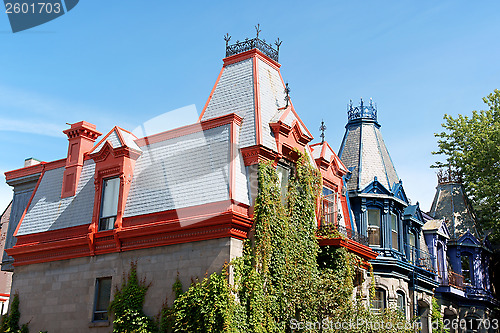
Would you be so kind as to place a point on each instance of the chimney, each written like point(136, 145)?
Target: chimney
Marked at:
point(31, 161)
point(81, 137)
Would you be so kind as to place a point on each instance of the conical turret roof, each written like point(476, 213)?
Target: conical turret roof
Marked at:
point(364, 152)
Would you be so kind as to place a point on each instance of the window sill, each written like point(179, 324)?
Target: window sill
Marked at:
point(103, 323)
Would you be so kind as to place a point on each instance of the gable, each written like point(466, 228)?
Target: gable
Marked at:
point(375, 187)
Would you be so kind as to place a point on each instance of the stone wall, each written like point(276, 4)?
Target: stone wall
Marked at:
point(59, 296)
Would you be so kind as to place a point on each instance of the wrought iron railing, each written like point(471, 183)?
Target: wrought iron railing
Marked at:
point(420, 258)
point(330, 228)
point(454, 279)
point(362, 111)
point(249, 44)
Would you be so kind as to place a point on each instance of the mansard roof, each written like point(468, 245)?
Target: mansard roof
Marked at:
point(364, 152)
point(250, 85)
point(180, 168)
point(451, 203)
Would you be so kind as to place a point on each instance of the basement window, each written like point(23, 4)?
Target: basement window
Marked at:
point(102, 297)
point(109, 203)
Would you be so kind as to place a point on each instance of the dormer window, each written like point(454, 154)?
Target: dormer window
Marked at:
point(109, 205)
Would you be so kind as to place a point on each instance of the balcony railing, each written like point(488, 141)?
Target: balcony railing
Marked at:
point(454, 280)
point(420, 258)
point(331, 228)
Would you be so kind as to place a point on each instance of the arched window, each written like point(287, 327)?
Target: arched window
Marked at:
point(374, 227)
point(378, 302)
point(401, 302)
point(394, 232)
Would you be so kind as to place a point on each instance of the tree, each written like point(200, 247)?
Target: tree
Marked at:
point(472, 149)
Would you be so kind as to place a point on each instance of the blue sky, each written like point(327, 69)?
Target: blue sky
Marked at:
point(124, 62)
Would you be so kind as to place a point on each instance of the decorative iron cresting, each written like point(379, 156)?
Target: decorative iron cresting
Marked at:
point(254, 43)
point(362, 111)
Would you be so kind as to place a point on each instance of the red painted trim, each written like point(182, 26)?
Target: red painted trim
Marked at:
point(249, 54)
point(5, 295)
point(211, 221)
point(255, 154)
point(34, 169)
point(256, 94)
point(232, 165)
point(189, 129)
point(211, 94)
point(361, 250)
point(102, 140)
point(29, 202)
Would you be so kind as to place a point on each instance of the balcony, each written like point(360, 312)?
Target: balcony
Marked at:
point(333, 229)
point(420, 258)
point(454, 280)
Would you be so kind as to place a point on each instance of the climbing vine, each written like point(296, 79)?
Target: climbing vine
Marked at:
point(10, 321)
point(282, 281)
point(127, 305)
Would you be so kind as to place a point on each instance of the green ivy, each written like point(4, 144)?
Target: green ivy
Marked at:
point(282, 276)
point(10, 321)
point(127, 306)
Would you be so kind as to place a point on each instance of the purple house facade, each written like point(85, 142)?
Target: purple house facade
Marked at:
point(462, 260)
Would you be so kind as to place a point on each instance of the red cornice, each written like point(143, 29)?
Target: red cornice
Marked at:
point(189, 129)
point(249, 54)
point(255, 154)
point(34, 169)
point(211, 221)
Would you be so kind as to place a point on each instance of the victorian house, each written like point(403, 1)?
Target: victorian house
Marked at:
point(404, 272)
point(465, 291)
point(178, 202)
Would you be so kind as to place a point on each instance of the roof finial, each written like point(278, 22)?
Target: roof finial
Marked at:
point(322, 128)
point(278, 43)
point(361, 103)
point(227, 38)
point(257, 29)
point(287, 96)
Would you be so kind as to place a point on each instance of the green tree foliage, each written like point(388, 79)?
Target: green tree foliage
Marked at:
point(127, 306)
point(472, 148)
point(10, 321)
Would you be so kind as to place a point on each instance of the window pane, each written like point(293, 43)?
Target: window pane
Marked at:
point(466, 268)
point(103, 295)
point(110, 197)
point(394, 225)
point(374, 227)
point(374, 217)
point(378, 303)
point(401, 302)
point(283, 177)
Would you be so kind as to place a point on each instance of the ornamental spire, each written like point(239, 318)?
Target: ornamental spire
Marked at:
point(322, 128)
